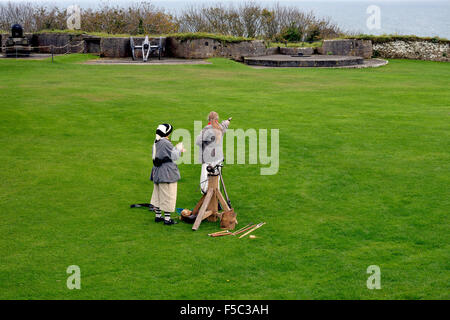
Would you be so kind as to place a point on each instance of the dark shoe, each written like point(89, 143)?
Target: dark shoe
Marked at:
point(169, 222)
point(159, 219)
point(190, 219)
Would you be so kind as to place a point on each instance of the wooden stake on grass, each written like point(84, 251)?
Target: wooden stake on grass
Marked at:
point(246, 228)
point(218, 232)
point(221, 234)
point(259, 225)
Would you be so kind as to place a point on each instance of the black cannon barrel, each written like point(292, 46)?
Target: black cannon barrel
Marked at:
point(16, 31)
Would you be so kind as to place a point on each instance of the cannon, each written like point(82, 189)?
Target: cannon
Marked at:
point(17, 45)
point(147, 48)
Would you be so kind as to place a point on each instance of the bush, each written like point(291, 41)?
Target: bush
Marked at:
point(247, 20)
point(389, 38)
point(138, 19)
point(200, 35)
point(291, 34)
point(313, 34)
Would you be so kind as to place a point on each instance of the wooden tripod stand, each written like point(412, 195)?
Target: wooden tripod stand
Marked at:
point(207, 207)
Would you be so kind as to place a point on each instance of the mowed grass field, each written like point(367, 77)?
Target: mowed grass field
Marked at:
point(364, 179)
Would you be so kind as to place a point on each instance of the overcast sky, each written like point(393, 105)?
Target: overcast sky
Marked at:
point(182, 3)
point(122, 2)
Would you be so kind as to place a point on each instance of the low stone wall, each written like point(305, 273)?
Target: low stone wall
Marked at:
point(119, 47)
point(296, 51)
point(347, 47)
point(419, 50)
point(115, 47)
point(59, 41)
point(208, 48)
point(271, 51)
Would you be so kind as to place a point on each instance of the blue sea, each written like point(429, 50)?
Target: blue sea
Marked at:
point(418, 17)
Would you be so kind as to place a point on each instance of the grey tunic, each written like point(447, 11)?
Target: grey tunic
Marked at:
point(168, 171)
point(205, 138)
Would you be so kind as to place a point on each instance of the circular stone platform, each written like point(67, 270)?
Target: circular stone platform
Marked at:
point(317, 60)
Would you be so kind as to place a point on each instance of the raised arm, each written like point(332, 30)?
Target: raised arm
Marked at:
point(225, 124)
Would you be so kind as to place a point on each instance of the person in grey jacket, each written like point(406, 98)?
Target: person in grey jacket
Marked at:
point(165, 174)
point(210, 141)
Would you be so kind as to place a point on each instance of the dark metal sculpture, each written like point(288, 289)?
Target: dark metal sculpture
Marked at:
point(17, 45)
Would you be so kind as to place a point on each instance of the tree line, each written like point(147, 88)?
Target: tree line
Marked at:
point(251, 20)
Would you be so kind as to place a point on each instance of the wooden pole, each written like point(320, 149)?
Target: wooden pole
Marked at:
point(248, 227)
point(202, 210)
point(253, 229)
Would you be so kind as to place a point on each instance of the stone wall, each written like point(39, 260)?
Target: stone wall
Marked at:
point(420, 50)
point(208, 48)
point(347, 47)
point(115, 47)
point(274, 50)
point(59, 41)
point(296, 51)
point(119, 47)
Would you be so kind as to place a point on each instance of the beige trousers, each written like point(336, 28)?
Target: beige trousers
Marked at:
point(164, 196)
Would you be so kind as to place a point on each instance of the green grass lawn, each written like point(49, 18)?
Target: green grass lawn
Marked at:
point(363, 180)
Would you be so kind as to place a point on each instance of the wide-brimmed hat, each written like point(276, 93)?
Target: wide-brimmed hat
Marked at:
point(164, 130)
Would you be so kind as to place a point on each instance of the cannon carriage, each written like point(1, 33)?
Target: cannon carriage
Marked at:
point(17, 45)
point(148, 47)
